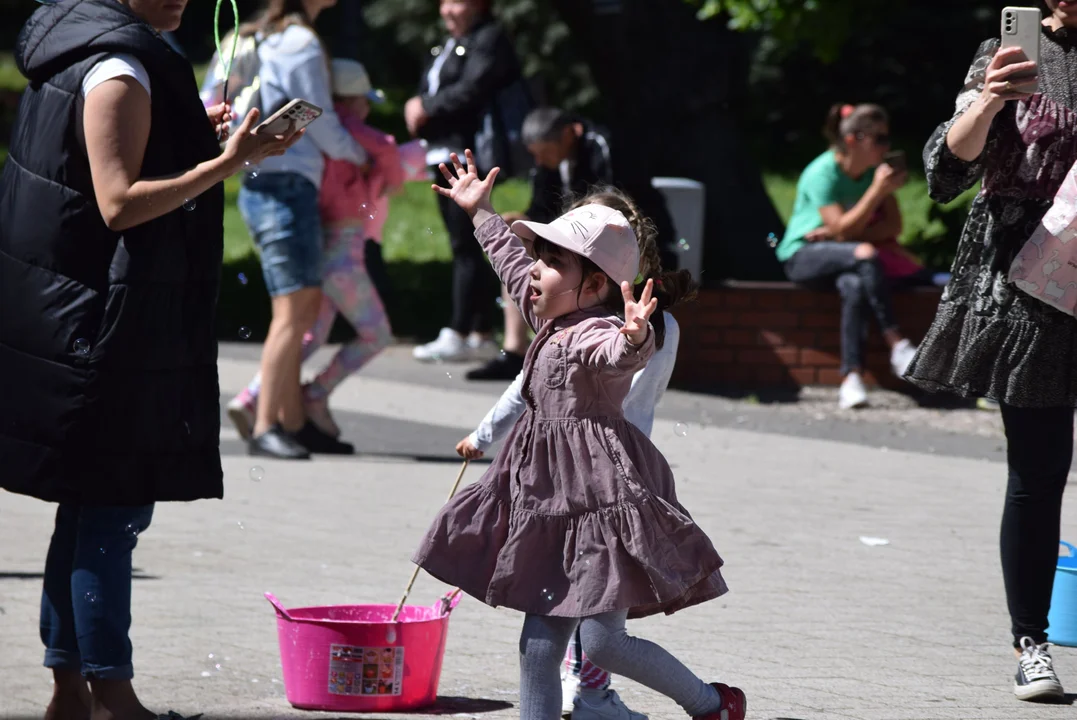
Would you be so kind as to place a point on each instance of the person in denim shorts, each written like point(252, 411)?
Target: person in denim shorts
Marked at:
point(279, 204)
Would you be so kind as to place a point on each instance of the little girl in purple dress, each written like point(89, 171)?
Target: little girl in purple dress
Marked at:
point(577, 522)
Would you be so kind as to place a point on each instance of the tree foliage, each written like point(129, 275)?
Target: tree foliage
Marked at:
point(824, 24)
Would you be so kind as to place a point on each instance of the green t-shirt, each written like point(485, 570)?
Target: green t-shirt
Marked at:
point(822, 183)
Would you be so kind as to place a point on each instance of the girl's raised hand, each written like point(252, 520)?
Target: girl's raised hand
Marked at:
point(465, 187)
point(637, 314)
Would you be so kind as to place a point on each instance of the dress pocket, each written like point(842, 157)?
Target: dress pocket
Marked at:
point(554, 364)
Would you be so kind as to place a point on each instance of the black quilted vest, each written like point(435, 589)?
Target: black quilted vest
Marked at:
point(108, 358)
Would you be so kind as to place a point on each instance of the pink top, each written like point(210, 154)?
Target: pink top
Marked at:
point(349, 196)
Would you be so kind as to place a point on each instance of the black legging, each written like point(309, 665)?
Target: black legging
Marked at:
point(1039, 450)
point(475, 287)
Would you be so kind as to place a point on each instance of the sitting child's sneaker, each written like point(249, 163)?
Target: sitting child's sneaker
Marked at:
point(734, 704)
point(1036, 678)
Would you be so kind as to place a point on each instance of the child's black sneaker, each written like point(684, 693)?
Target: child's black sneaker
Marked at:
point(1036, 678)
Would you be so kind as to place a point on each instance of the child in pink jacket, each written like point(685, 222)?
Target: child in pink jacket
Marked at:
point(354, 205)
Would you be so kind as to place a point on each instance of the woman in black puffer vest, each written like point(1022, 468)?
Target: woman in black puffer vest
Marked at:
point(111, 211)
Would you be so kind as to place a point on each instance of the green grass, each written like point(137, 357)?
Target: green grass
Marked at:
point(10, 77)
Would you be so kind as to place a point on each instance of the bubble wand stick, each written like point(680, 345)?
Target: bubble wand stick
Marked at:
point(232, 52)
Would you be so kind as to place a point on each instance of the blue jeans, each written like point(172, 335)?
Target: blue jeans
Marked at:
point(860, 283)
point(86, 603)
point(281, 213)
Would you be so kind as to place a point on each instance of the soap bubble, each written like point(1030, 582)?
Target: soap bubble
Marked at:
point(217, 667)
point(90, 597)
point(242, 279)
point(132, 529)
point(546, 595)
point(239, 523)
point(190, 204)
point(244, 333)
point(390, 635)
point(772, 240)
point(430, 231)
point(501, 302)
point(207, 673)
point(211, 656)
point(257, 473)
point(448, 375)
point(368, 211)
point(103, 551)
point(82, 346)
point(680, 430)
point(503, 354)
point(252, 170)
point(682, 245)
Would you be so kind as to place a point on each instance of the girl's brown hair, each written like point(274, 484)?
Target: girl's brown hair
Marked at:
point(844, 119)
point(670, 288)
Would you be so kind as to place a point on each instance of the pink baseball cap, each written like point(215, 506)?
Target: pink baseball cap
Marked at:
point(599, 233)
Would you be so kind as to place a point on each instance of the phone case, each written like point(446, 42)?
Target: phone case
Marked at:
point(1021, 28)
point(300, 112)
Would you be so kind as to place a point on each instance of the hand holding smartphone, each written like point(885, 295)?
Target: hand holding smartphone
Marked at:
point(1021, 28)
point(896, 159)
point(297, 114)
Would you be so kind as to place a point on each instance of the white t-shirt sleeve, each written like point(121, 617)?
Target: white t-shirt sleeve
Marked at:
point(114, 66)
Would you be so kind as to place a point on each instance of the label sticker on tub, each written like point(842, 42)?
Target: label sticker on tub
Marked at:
point(365, 671)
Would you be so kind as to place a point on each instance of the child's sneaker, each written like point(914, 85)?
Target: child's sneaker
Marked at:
point(734, 704)
point(606, 707)
point(1036, 678)
point(241, 411)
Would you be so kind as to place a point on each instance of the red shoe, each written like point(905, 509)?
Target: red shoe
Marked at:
point(734, 705)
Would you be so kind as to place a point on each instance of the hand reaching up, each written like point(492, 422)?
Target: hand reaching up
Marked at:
point(637, 314)
point(465, 187)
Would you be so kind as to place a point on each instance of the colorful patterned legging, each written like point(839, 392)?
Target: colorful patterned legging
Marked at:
point(348, 290)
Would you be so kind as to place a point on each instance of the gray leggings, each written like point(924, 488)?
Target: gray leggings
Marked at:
point(607, 645)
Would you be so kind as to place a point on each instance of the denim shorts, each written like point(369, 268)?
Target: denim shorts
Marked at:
point(281, 212)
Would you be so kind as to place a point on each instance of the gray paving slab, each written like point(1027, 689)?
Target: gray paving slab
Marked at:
point(817, 625)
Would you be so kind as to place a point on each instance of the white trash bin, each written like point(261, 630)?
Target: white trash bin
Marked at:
point(685, 200)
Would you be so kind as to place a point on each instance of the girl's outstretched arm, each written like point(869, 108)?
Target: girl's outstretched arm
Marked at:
point(507, 253)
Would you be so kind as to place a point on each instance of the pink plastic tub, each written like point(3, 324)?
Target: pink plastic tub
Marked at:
point(351, 658)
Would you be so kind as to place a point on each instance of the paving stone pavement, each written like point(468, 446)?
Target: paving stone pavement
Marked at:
point(817, 624)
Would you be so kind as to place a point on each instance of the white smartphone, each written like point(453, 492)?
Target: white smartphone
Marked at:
point(1021, 28)
point(298, 112)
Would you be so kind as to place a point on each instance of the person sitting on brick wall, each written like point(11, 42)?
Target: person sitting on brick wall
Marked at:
point(845, 207)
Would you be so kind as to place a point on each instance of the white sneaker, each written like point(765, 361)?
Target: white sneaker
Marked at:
point(482, 348)
point(241, 411)
point(901, 357)
point(1036, 678)
point(852, 393)
point(609, 707)
point(449, 347)
point(570, 685)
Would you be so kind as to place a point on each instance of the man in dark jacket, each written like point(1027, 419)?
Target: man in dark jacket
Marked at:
point(572, 156)
point(463, 79)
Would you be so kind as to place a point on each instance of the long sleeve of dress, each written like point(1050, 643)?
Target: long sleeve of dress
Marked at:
point(948, 175)
point(502, 416)
point(511, 263)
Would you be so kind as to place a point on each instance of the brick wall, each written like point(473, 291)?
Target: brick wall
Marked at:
point(773, 335)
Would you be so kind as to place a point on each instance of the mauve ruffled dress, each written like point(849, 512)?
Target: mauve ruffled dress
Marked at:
point(578, 514)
